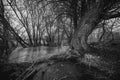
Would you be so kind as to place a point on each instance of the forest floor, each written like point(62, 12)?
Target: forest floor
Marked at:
point(108, 52)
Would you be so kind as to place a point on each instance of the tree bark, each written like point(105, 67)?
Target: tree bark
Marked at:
point(86, 26)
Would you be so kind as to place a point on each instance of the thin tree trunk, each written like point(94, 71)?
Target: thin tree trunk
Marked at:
point(7, 26)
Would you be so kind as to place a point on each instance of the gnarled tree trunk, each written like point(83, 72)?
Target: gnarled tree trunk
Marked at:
point(88, 23)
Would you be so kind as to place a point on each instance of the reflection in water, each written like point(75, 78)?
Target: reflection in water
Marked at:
point(34, 53)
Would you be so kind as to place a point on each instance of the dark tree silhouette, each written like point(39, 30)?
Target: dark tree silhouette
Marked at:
point(84, 14)
point(7, 27)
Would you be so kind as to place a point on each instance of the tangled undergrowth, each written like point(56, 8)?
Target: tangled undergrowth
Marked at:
point(74, 67)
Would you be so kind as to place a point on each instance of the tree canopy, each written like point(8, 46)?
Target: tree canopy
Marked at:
point(52, 22)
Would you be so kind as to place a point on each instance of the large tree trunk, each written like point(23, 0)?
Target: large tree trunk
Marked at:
point(87, 24)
